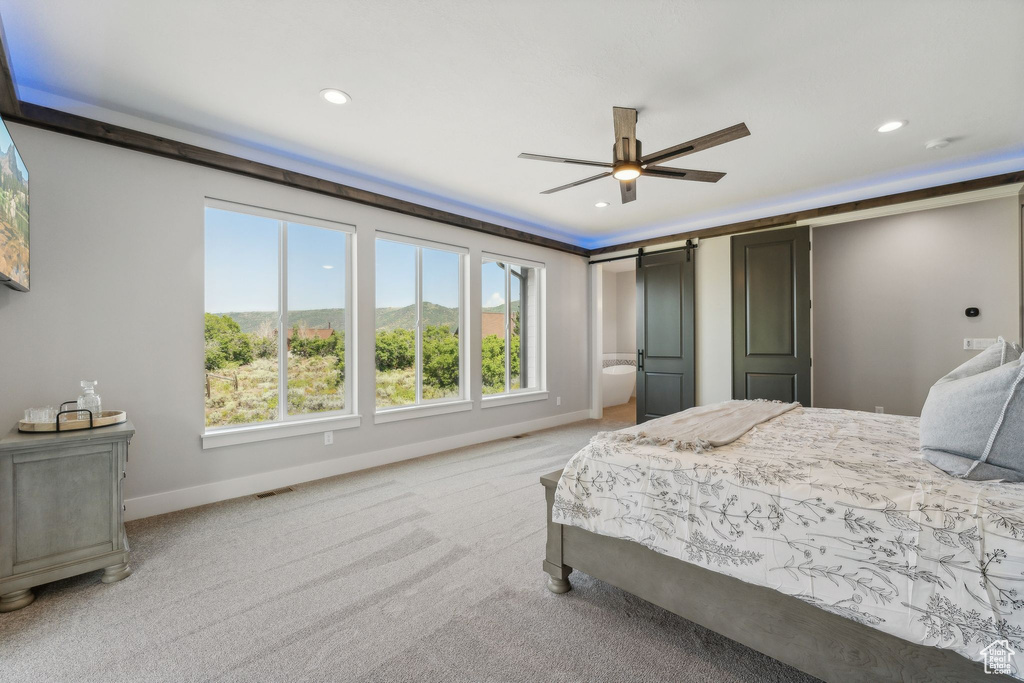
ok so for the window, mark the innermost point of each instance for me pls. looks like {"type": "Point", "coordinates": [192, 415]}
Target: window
{"type": "Point", "coordinates": [419, 348]}
{"type": "Point", "coordinates": [270, 277]}
{"type": "Point", "coordinates": [511, 335]}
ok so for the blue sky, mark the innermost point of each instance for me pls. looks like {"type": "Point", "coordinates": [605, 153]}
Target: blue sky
{"type": "Point", "coordinates": [396, 275]}
{"type": "Point", "coordinates": [241, 268]}
{"type": "Point", "coordinates": [5, 143]}
{"type": "Point", "coordinates": [241, 264]}
{"type": "Point", "coordinates": [492, 285]}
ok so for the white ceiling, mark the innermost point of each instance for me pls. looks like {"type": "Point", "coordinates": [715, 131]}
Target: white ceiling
{"type": "Point", "coordinates": [447, 93]}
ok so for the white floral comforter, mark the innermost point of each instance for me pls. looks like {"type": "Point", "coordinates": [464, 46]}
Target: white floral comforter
{"type": "Point", "coordinates": [833, 507]}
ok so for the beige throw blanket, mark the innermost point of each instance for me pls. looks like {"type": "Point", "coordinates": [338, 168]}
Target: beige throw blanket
{"type": "Point", "coordinates": [701, 428]}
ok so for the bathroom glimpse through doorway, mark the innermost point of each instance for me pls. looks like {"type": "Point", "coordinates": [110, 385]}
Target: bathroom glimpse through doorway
{"type": "Point", "coordinates": [618, 357]}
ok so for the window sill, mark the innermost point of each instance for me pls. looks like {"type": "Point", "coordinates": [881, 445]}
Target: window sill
{"type": "Point", "coordinates": [509, 399]}
{"type": "Point", "coordinates": [410, 412]}
{"type": "Point", "coordinates": [232, 436]}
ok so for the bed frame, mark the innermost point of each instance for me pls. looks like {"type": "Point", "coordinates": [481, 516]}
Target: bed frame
{"type": "Point", "coordinates": [817, 642]}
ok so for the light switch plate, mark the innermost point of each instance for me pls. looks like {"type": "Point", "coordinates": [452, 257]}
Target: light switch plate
{"type": "Point", "coordinates": [978, 343]}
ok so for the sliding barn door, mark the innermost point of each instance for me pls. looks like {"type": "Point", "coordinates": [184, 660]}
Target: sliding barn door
{"type": "Point", "coordinates": [664, 334]}
{"type": "Point", "coordinates": [771, 309]}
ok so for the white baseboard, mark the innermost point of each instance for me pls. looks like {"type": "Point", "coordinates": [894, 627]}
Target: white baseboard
{"type": "Point", "coordinates": [169, 501]}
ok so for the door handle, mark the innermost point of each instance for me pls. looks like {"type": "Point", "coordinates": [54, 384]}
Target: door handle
{"type": "Point", "coordinates": [639, 359]}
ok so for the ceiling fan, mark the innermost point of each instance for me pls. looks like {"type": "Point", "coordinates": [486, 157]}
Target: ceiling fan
{"type": "Point", "coordinates": [628, 162]}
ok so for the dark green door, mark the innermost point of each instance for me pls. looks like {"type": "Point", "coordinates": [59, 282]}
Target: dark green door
{"type": "Point", "coordinates": [664, 334]}
{"type": "Point", "coordinates": [771, 315]}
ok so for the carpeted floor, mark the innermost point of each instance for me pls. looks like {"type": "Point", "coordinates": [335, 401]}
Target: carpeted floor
{"type": "Point", "coordinates": [428, 570]}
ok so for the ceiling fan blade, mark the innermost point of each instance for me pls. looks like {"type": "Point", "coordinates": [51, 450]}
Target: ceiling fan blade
{"type": "Point", "coordinates": [628, 190]}
{"type": "Point", "coordinates": [624, 120]}
{"type": "Point", "coordinates": [684, 174]}
{"type": "Point", "coordinates": [698, 144]}
{"type": "Point", "coordinates": [563, 160]}
{"type": "Point", "coordinates": [578, 182]}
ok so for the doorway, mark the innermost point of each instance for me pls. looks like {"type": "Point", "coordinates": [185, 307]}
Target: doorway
{"type": "Point", "coordinates": [645, 324]}
{"type": "Point", "coordinates": [618, 340]}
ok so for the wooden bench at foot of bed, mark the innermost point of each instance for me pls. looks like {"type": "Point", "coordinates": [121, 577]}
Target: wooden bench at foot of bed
{"type": "Point", "coordinates": [820, 643]}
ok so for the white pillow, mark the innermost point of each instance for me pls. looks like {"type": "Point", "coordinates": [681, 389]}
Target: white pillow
{"type": "Point", "coordinates": [973, 426]}
{"type": "Point", "coordinates": [1000, 353]}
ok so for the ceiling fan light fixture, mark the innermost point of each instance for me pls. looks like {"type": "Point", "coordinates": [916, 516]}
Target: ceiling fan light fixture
{"type": "Point", "coordinates": [626, 172]}
{"type": "Point", "coordinates": [335, 96]}
{"type": "Point", "coordinates": [629, 162]}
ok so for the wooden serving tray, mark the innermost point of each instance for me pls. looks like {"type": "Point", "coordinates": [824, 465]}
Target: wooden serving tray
{"type": "Point", "coordinates": [107, 417]}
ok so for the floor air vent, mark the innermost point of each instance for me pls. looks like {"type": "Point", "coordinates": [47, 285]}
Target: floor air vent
{"type": "Point", "coordinates": [275, 492]}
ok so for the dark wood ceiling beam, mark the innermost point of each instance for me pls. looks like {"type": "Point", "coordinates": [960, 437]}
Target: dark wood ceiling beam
{"type": "Point", "coordinates": [8, 95]}
{"type": "Point", "coordinates": [823, 212]}
{"type": "Point", "coordinates": [119, 136]}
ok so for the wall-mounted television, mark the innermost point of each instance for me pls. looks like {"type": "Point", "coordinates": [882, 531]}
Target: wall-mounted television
{"type": "Point", "coordinates": [14, 240]}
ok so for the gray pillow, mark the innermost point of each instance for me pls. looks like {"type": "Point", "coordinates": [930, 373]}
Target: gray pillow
{"type": "Point", "coordinates": [973, 426]}
{"type": "Point", "coordinates": [1000, 353]}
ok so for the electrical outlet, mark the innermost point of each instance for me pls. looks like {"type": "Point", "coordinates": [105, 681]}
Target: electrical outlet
{"type": "Point", "coordinates": [328, 438]}
{"type": "Point", "coordinates": [879, 409]}
{"type": "Point", "coordinates": [968, 344]}
{"type": "Point", "coordinates": [558, 400]}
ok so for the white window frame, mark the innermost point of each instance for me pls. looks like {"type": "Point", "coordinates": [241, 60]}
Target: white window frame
{"type": "Point", "coordinates": [434, 406]}
{"type": "Point", "coordinates": [521, 395]}
{"type": "Point", "coordinates": [304, 423]}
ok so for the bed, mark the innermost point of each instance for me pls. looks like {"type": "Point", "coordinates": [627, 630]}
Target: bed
{"type": "Point", "coordinates": [819, 537]}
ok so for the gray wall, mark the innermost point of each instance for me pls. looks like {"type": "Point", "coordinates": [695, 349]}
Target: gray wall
{"type": "Point", "coordinates": [625, 310]}
{"type": "Point", "coordinates": [128, 228]}
{"type": "Point", "coordinates": [713, 313]}
{"type": "Point", "coordinates": [618, 322]}
{"type": "Point", "coordinates": [609, 312]}
{"type": "Point", "coordinates": [889, 297]}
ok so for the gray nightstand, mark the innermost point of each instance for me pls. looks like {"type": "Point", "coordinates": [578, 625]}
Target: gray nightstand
{"type": "Point", "coordinates": [61, 508]}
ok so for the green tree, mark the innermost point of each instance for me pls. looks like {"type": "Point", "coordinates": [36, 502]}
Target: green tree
{"type": "Point", "coordinates": [440, 357]}
{"type": "Point", "coordinates": [214, 357]}
{"type": "Point", "coordinates": [395, 349]}
{"type": "Point", "coordinates": [514, 354]}
{"type": "Point", "coordinates": [493, 362]}
{"type": "Point", "coordinates": [218, 326]}
{"type": "Point", "coordinates": [263, 346]}
{"type": "Point", "coordinates": [336, 346]}
{"type": "Point", "coordinates": [234, 345]}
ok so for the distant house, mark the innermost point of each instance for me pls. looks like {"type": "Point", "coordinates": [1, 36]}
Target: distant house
{"type": "Point", "coordinates": [310, 333]}
{"type": "Point", "coordinates": [494, 323]}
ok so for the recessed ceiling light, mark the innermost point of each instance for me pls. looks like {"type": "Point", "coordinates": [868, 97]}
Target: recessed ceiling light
{"type": "Point", "coordinates": [890, 126]}
{"type": "Point", "coordinates": [601, 205]}
{"type": "Point", "coordinates": [334, 96]}
{"type": "Point", "coordinates": [328, 267]}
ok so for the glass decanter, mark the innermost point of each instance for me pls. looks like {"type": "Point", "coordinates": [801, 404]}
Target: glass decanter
{"type": "Point", "coordinates": [89, 400]}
